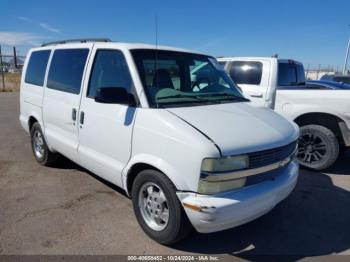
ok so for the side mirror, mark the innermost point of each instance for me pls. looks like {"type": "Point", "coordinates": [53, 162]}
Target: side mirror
{"type": "Point", "coordinates": [114, 95]}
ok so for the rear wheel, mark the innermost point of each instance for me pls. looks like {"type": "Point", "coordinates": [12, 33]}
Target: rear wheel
{"type": "Point", "coordinates": [318, 147]}
{"type": "Point", "coordinates": [158, 209]}
{"type": "Point", "coordinates": [40, 149]}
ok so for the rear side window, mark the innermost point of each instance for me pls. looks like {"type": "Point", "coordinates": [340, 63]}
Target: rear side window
{"type": "Point", "coordinates": [36, 68]}
{"type": "Point", "coordinates": [109, 70]}
{"type": "Point", "coordinates": [66, 70]}
{"type": "Point", "coordinates": [290, 74]}
{"type": "Point", "coordinates": [246, 72]}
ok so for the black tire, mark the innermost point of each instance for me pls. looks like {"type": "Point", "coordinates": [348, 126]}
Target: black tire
{"type": "Point", "coordinates": [318, 147]}
{"type": "Point", "coordinates": [47, 157]}
{"type": "Point", "coordinates": [178, 226]}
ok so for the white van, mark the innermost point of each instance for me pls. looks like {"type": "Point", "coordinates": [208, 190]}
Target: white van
{"type": "Point", "coordinates": [183, 142]}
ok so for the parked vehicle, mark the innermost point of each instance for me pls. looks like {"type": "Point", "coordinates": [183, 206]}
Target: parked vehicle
{"type": "Point", "coordinates": [322, 115]}
{"type": "Point", "coordinates": [336, 78]}
{"type": "Point", "coordinates": [327, 85]}
{"type": "Point", "coordinates": [188, 148]}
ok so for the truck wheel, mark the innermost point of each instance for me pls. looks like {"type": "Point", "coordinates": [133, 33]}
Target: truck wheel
{"type": "Point", "coordinates": [40, 149]}
{"type": "Point", "coordinates": [318, 147]}
{"type": "Point", "coordinates": [158, 209]}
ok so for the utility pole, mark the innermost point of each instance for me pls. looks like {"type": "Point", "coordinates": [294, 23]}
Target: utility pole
{"type": "Point", "coordinates": [2, 70]}
{"type": "Point", "coordinates": [346, 57]}
{"type": "Point", "coordinates": [15, 57]}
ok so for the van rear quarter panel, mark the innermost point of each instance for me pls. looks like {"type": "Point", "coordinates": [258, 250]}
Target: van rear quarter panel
{"type": "Point", "coordinates": [31, 99]}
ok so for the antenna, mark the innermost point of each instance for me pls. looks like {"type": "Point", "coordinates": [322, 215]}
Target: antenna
{"type": "Point", "coordinates": [156, 34]}
{"type": "Point", "coordinates": [156, 28]}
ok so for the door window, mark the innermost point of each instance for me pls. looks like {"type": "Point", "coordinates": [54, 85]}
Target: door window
{"type": "Point", "coordinates": [66, 70]}
{"type": "Point", "coordinates": [109, 70]}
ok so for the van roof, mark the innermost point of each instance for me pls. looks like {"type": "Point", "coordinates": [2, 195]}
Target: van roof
{"type": "Point", "coordinates": [117, 45]}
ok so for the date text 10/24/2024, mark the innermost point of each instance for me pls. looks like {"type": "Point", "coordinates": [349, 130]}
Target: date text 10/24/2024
{"type": "Point", "coordinates": [173, 258]}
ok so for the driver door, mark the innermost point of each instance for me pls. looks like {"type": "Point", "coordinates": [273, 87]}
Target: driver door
{"type": "Point", "coordinates": [105, 130]}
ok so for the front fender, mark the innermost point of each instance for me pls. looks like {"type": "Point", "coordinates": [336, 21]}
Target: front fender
{"type": "Point", "coordinates": [164, 141]}
{"type": "Point", "coordinates": [158, 163]}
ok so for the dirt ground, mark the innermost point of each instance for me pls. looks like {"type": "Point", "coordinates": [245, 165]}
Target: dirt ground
{"type": "Point", "coordinates": [67, 210]}
{"type": "Point", "coordinates": [12, 82]}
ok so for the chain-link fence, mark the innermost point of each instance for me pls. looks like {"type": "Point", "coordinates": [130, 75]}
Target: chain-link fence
{"type": "Point", "coordinates": [10, 71]}
{"type": "Point", "coordinates": [317, 73]}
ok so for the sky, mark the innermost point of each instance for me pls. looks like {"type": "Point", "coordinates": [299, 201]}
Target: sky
{"type": "Point", "coordinates": [313, 31]}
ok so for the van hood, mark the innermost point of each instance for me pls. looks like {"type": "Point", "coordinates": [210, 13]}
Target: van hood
{"type": "Point", "coordinates": [238, 128]}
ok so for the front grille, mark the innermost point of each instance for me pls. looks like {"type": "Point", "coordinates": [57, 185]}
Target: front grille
{"type": "Point", "coordinates": [258, 178]}
{"type": "Point", "coordinates": [271, 156]}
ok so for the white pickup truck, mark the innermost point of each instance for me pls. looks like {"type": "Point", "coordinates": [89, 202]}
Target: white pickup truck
{"type": "Point", "coordinates": [322, 114]}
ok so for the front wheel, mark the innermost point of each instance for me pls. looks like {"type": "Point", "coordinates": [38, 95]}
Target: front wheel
{"type": "Point", "coordinates": [318, 147]}
{"type": "Point", "coordinates": [157, 208]}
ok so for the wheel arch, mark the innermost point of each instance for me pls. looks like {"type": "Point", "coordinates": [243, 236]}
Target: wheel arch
{"type": "Point", "coordinates": [327, 120]}
{"type": "Point", "coordinates": [143, 162]}
{"type": "Point", "coordinates": [134, 171]}
{"type": "Point", "coordinates": [34, 117]}
{"type": "Point", "coordinates": [31, 122]}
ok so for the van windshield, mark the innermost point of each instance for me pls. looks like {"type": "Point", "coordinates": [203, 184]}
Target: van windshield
{"type": "Point", "coordinates": [177, 79]}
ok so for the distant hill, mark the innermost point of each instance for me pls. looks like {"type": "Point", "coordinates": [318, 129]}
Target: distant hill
{"type": "Point", "coordinates": [19, 61]}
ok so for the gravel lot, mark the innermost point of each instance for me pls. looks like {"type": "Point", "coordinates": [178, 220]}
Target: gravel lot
{"type": "Point", "coordinates": [67, 210]}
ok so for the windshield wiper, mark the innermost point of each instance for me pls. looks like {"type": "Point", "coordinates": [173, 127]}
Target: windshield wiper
{"type": "Point", "coordinates": [226, 96]}
{"type": "Point", "coordinates": [180, 96]}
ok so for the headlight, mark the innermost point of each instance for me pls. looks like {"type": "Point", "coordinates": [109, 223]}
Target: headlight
{"type": "Point", "coordinates": [211, 187]}
{"type": "Point", "coordinates": [218, 165]}
{"type": "Point", "coordinates": [224, 164]}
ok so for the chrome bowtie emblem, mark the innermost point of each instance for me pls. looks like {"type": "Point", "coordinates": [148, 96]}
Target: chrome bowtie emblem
{"type": "Point", "coordinates": [284, 162]}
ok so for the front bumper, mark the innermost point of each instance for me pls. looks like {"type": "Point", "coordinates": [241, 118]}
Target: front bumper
{"type": "Point", "coordinates": [230, 209]}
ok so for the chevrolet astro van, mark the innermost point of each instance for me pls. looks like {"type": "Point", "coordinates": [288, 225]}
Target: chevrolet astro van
{"type": "Point", "coordinates": [167, 125]}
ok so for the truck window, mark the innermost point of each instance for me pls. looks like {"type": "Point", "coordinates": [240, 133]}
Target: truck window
{"type": "Point", "coordinates": [36, 68]}
{"type": "Point", "coordinates": [66, 70]}
{"type": "Point", "coordinates": [343, 79]}
{"type": "Point", "coordinates": [109, 70]}
{"type": "Point", "coordinates": [290, 74]}
{"type": "Point", "coordinates": [246, 72]}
